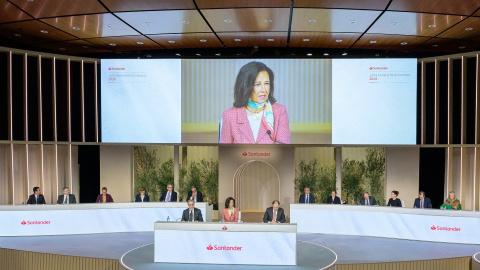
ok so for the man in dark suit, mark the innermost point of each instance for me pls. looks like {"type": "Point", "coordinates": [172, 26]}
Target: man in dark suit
{"type": "Point", "coordinates": [192, 214]}
{"type": "Point", "coordinates": [306, 197]}
{"type": "Point", "coordinates": [195, 195]}
{"type": "Point", "coordinates": [367, 199]}
{"type": "Point", "coordinates": [274, 214]}
{"type": "Point", "coordinates": [36, 197]}
{"type": "Point", "coordinates": [66, 197]}
{"type": "Point", "coordinates": [422, 201]}
{"type": "Point", "coordinates": [334, 199]}
{"type": "Point", "coordinates": [169, 195]}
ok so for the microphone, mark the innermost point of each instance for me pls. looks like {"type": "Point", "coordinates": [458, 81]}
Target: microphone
{"type": "Point", "coordinates": [270, 135]}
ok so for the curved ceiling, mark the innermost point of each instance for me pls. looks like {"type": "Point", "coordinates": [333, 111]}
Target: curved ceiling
{"type": "Point", "coordinates": [79, 27]}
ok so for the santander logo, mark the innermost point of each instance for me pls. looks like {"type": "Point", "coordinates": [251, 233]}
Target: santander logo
{"type": "Point", "coordinates": [378, 68]}
{"type": "Point", "coordinates": [35, 222]}
{"type": "Point", "coordinates": [256, 154]}
{"type": "Point", "coordinates": [209, 247]}
{"type": "Point", "coordinates": [224, 228]}
{"type": "Point", "coordinates": [448, 229]}
{"type": "Point", "coordinates": [433, 228]}
{"type": "Point", "coordinates": [245, 154]}
{"type": "Point", "coordinates": [23, 222]}
{"type": "Point", "coordinates": [225, 248]}
{"type": "Point", "coordinates": [116, 68]}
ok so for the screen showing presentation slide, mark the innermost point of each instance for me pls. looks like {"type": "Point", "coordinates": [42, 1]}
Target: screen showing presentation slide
{"type": "Point", "coordinates": [374, 101]}
{"type": "Point", "coordinates": [141, 101]}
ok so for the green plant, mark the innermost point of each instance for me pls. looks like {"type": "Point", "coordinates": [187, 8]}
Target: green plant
{"type": "Point", "coordinates": [327, 182]}
{"type": "Point", "coordinates": [375, 173]}
{"type": "Point", "coordinates": [203, 175]}
{"type": "Point", "coordinates": [353, 180]}
{"type": "Point", "coordinates": [321, 180]}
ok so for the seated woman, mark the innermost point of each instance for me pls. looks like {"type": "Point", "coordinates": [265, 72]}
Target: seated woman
{"type": "Point", "coordinates": [230, 212]}
{"type": "Point", "coordinates": [333, 199]}
{"type": "Point", "coordinates": [142, 196]}
{"type": "Point", "coordinates": [451, 202]}
{"type": "Point", "coordinates": [104, 197]}
{"type": "Point", "coordinates": [394, 201]}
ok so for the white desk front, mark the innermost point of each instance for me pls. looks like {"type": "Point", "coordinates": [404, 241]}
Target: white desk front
{"type": "Point", "coordinates": [225, 243]}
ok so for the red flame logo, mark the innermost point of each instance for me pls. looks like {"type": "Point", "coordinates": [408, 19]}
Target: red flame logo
{"type": "Point", "coordinates": [244, 153]}
{"type": "Point", "coordinates": [224, 228]}
{"type": "Point", "coordinates": [370, 68]}
{"type": "Point", "coordinates": [109, 68]}
{"type": "Point", "coordinates": [209, 247]}
{"type": "Point", "coordinates": [433, 228]}
{"type": "Point", "coordinates": [23, 222]}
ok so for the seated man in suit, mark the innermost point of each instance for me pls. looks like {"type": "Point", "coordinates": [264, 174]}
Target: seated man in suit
{"type": "Point", "coordinates": [334, 199]}
{"type": "Point", "coordinates": [306, 197]}
{"type": "Point", "coordinates": [192, 214]}
{"type": "Point", "coordinates": [66, 197]}
{"type": "Point", "coordinates": [422, 201]}
{"type": "Point", "coordinates": [367, 199]}
{"type": "Point", "coordinates": [169, 195]}
{"type": "Point", "coordinates": [274, 214]}
{"type": "Point", "coordinates": [36, 197]}
{"type": "Point", "coordinates": [195, 195]}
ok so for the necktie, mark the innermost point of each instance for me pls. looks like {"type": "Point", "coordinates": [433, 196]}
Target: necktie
{"type": "Point", "coordinates": [306, 200]}
{"type": "Point", "coordinates": [274, 219]}
{"type": "Point", "coordinates": [65, 200]}
{"type": "Point", "coordinates": [421, 203]}
{"type": "Point", "coordinates": [168, 196]}
{"type": "Point", "coordinates": [367, 202]}
{"type": "Point", "coordinates": [36, 199]}
{"type": "Point", "coordinates": [191, 216]}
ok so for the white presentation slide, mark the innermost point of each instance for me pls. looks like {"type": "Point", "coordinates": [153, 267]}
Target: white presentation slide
{"type": "Point", "coordinates": [374, 101]}
{"type": "Point", "coordinates": [141, 100]}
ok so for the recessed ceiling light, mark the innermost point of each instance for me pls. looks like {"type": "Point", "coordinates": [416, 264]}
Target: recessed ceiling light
{"type": "Point", "coordinates": [85, 46]}
{"type": "Point", "coordinates": [198, 54]}
{"type": "Point", "coordinates": [461, 47]}
{"type": "Point", "coordinates": [227, 20]}
{"type": "Point", "coordinates": [147, 23]}
{"type": "Point", "coordinates": [75, 28]}
{"type": "Point", "coordinates": [435, 45]}
{"type": "Point", "coordinates": [373, 41]}
{"type": "Point", "coordinates": [394, 23]}
{"type": "Point", "coordinates": [306, 39]}
{"type": "Point", "coordinates": [339, 40]}
{"type": "Point", "coordinates": [171, 41]}
{"type": "Point", "coordinates": [344, 53]}
{"type": "Point", "coordinates": [268, 20]}
{"type": "Point", "coordinates": [292, 54]}
{"type": "Point", "coordinates": [403, 43]}
{"type": "Point", "coordinates": [203, 40]}
{"type": "Point", "coordinates": [469, 29]}
{"type": "Point", "coordinates": [29, 0]}
{"type": "Point", "coordinates": [44, 31]}
{"type": "Point", "coordinates": [113, 44]}
{"type": "Point", "coordinates": [177, 54]}
{"type": "Point", "coordinates": [62, 49]}
{"type": "Point", "coordinates": [17, 35]}
{"type": "Point", "coordinates": [139, 43]}
{"type": "Point", "coordinates": [270, 39]}
{"type": "Point", "coordinates": [352, 21]}
{"type": "Point", "coordinates": [312, 20]}
{"type": "Point", "coordinates": [109, 25]}
{"type": "Point", "coordinates": [237, 39]}
{"type": "Point", "coordinates": [217, 54]}
{"type": "Point", "coordinates": [309, 54]}
{"type": "Point", "coordinates": [326, 54]}
{"type": "Point", "coordinates": [186, 22]}
{"type": "Point", "coordinates": [432, 25]}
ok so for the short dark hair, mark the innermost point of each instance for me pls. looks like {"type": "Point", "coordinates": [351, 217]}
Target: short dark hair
{"type": "Point", "coordinates": [104, 188]}
{"type": "Point", "coordinates": [395, 192]}
{"type": "Point", "coordinates": [333, 190]}
{"type": "Point", "coordinates": [35, 189]}
{"type": "Point", "coordinates": [246, 80]}
{"type": "Point", "coordinates": [276, 201]}
{"type": "Point", "coordinates": [227, 202]}
{"type": "Point", "coordinates": [421, 192]}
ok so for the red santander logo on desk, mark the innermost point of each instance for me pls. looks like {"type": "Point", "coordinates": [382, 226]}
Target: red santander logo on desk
{"type": "Point", "coordinates": [224, 228]}
{"type": "Point", "coordinates": [35, 222]}
{"type": "Point", "coordinates": [209, 247]}
{"type": "Point", "coordinates": [448, 229]}
{"type": "Point", "coordinates": [225, 248]}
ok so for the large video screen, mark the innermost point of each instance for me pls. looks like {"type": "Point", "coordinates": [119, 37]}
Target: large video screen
{"type": "Point", "coordinates": [259, 101]}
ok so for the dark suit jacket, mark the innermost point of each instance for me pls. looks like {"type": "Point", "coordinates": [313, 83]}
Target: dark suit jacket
{"type": "Point", "coordinates": [269, 215]}
{"type": "Point", "coordinates": [173, 198]}
{"type": "Point", "coordinates": [427, 203]}
{"type": "Point", "coordinates": [139, 198]}
{"type": "Point", "coordinates": [31, 199]}
{"type": "Point", "coordinates": [370, 198]}
{"type": "Point", "coordinates": [199, 196]}
{"type": "Point", "coordinates": [197, 215]}
{"type": "Point", "coordinates": [334, 201]}
{"type": "Point", "coordinates": [100, 198]}
{"type": "Point", "coordinates": [71, 199]}
{"type": "Point", "coordinates": [311, 198]}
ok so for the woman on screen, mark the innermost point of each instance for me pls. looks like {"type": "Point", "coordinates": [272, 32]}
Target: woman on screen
{"type": "Point", "coordinates": [451, 202]}
{"type": "Point", "coordinates": [394, 201]}
{"type": "Point", "coordinates": [104, 197]}
{"type": "Point", "coordinates": [255, 117]}
{"type": "Point", "coordinates": [230, 212]}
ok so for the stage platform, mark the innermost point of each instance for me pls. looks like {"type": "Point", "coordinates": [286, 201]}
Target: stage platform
{"type": "Point", "coordinates": [349, 249]}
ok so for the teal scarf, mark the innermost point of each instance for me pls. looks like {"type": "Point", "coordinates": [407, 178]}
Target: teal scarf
{"type": "Point", "coordinates": [267, 118]}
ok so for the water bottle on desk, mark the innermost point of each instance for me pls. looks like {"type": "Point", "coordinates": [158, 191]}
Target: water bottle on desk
{"type": "Point", "coordinates": [168, 218]}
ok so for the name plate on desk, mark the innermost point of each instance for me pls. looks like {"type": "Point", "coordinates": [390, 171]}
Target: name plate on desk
{"type": "Point", "coordinates": [225, 243]}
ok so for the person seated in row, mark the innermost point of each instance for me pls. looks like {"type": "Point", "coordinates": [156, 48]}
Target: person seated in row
{"type": "Point", "coordinates": [36, 197]}
{"type": "Point", "coordinates": [66, 197]}
{"type": "Point", "coordinates": [274, 214]}
{"type": "Point", "coordinates": [230, 212]}
{"type": "Point", "coordinates": [142, 196]}
{"type": "Point", "coordinates": [422, 201]}
{"type": "Point", "coordinates": [394, 200]}
{"type": "Point", "coordinates": [192, 214]}
{"type": "Point", "coordinates": [169, 195]}
{"type": "Point", "coordinates": [104, 197]}
{"type": "Point", "coordinates": [367, 199]}
{"type": "Point", "coordinates": [195, 195]}
{"type": "Point", "coordinates": [306, 197]}
{"type": "Point", "coordinates": [451, 202]}
{"type": "Point", "coordinates": [334, 199]}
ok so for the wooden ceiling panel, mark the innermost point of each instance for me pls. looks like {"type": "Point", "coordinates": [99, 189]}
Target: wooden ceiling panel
{"type": "Point", "coordinates": [242, 4]}
{"type": "Point", "coordinates": [33, 32]}
{"type": "Point", "coordinates": [11, 13]}
{"type": "Point", "coordinates": [53, 8]}
{"type": "Point", "coordinates": [323, 40]}
{"type": "Point", "coordinates": [350, 4]}
{"type": "Point", "coordinates": [414, 24]}
{"type": "Point", "coordinates": [332, 20]}
{"type": "Point", "coordinates": [74, 47]}
{"type": "Point", "coordinates": [90, 26]}
{"type": "Point", "coordinates": [188, 40]}
{"type": "Point", "coordinates": [170, 21]}
{"type": "Point", "coordinates": [126, 43]}
{"type": "Point", "coordinates": [467, 29]}
{"type": "Point", "coordinates": [129, 5]}
{"type": "Point", "coordinates": [450, 46]}
{"type": "Point", "coordinates": [459, 7]}
{"type": "Point", "coordinates": [248, 19]}
{"type": "Point", "coordinates": [388, 42]}
{"type": "Point", "coordinates": [251, 39]}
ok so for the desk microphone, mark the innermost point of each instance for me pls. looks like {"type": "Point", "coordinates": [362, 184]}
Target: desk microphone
{"type": "Point", "coordinates": [270, 135]}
